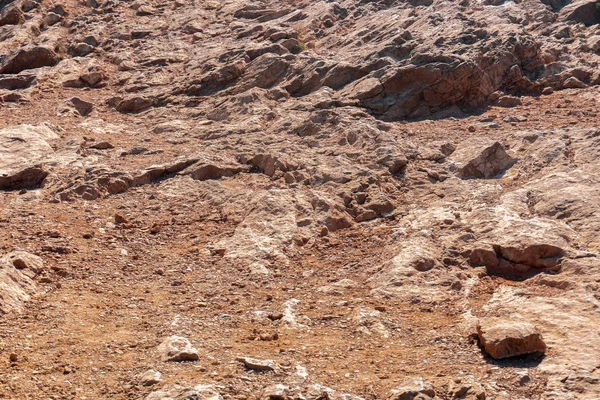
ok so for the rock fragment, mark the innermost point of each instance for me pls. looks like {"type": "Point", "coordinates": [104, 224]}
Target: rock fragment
{"type": "Point", "coordinates": [16, 285]}
{"type": "Point", "coordinates": [149, 378]}
{"type": "Point", "coordinates": [83, 107]}
{"type": "Point", "coordinates": [176, 392]}
{"type": "Point", "coordinates": [133, 104]}
{"type": "Point", "coordinates": [503, 339]}
{"type": "Point", "coordinates": [413, 389]}
{"type": "Point", "coordinates": [258, 365]}
{"type": "Point", "coordinates": [177, 348]}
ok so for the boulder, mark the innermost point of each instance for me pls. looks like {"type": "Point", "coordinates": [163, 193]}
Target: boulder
{"type": "Point", "coordinates": [503, 339]}
{"type": "Point", "coordinates": [573, 83]}
{"type": "Point", "coordinates": [481, 161]}
{"type": "Point", "coordinates": [581, 11]}
{"type": "Point", "coordinates": [177, 348]}
{"type": "Point", "coordinates": [28, 58]}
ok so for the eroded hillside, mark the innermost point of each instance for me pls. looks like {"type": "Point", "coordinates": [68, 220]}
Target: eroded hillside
{"type": "Point", "coordinates": [299, 199]}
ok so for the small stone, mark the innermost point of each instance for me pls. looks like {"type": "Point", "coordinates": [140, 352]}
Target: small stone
{"type": "Point", "coordinates": [104, 145]}
{"type": "Point", "coordinates": [13, 357]}
{"type": "Point", "coordinates": [119, 219]}
{"type": "Point", "coordinates": [269, 337]}
{"type": "Point", "coordinates": [523, 378]}
{"type": "Point", "coordinates": [275, 316]}
{"type": "Point", "coordinates": [150, 377]}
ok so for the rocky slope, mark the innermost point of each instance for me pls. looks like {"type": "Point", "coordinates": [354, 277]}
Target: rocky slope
{"type": "Point", "coordinates": [299, 199]}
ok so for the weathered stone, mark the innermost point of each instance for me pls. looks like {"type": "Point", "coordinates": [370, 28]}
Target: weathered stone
{"type": "Point", "coordinates": [12, 82]}
{"type": "Point", "coordinates": [258, 365]}
{"type": "Point", "coordinates": [482, 161]}
{"type": "Point", "coordinates": [16, 284]}
{"type": "Point", "coordinates": [573, 83]}
{"type": "Point", "coordinates": [28, 58]}
{"type": "Point", "coordinates": [83, 107]}
{"type": "Point", "coordinates": [22, 148]}
{"type": "Point", "coordinates": [509, 101]}
{"type": "Point", "coordinates": [11, 15]}
{"type": "Point", "coordinates": [413, 389]}
{"type": "Point", "coordinates": [150, 378]}
{"type": "Point", "coordinates": [176, 392]}
{"type": "Point", "coordinates": [502, 339]}
{"type": "Point", "coordinates": [134, 104]}
{"type": "Point", "coordinates": [177, 348]}
{"type": "Point", "coordinates": [582, 11]}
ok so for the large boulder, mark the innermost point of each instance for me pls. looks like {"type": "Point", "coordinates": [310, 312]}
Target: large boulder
{"type": "Point", "coordinates": [502, 339]}
{"type": "Point", "coordinates": [581, 11]}
{"type": "Point", "coordinates": [22, 149]}
{"type": "Point", "coordinates": [28, 58]}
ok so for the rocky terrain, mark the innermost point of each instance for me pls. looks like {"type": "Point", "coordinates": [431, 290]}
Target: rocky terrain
{"type": "Point", "coordinates": [299, 199]}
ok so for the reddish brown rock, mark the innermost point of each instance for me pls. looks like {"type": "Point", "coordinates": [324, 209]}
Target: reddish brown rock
{"type": "Point", "coordinates": [502, 339]}
{"type": "Point", "coordinates": [28, 58]}
{"type": "Point", "coordinates": [482, 161]}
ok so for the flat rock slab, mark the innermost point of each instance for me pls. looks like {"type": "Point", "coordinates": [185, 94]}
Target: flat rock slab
{"type": "Point", "coordinates": [258, 365]}
{"type": "Point", "coordinates": [503, 339]}
{"type": "Point", "coordinates": [177, 348]}
{"type": "Point", "coordinates": [481, 161]}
